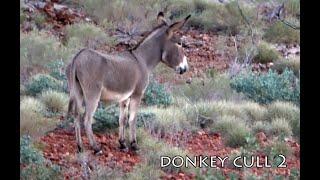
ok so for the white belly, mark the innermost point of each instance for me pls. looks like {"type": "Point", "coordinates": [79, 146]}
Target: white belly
{"type": "Point", "coordinates": [114, 96]}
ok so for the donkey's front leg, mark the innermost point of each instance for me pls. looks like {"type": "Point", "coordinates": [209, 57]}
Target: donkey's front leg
{"type": "Point", "coordinates": [133, 108]}
{"type": "Point", "coordinates": [123, 117]}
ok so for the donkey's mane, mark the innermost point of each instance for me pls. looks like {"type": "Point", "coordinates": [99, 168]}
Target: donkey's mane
{"type": "Point", "coordinates": [147, 35]}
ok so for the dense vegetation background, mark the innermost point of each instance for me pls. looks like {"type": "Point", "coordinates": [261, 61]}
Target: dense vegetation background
{"type": "Point", "coordinates": [240, 97]}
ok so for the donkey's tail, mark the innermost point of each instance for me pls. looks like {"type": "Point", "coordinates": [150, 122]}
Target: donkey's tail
{"type": "Point", "coordinates": [74, 88]}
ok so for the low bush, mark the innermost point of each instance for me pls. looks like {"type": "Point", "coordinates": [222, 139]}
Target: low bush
{"type": "Point", "coordinates": [32, 121]}
{"type": "Point", "coordinates": [42, 82]}
{"type": "Point", "coordinates": [275, 149]}
{"type": "Point", "coordinates": [156, 94]}
{"type": "Point", "coordinates": [287, 111]}
{"type": "Point", "coordinates": [268, 87]}
{"type": "Point", "coordinates": [39, 48]}
{"type": "Point", "coordinates": [254, 111]}
{"type": "Point", "coordinates": [281, 33]}
{"type": "Point", "coordinates": [216, 87]}
{"type": "Point", "coordinates": [261, 126]}
{"type": "Point", "coordinates": [56, 102]}
{"type": "Point", "coordinates": [234, 130]}
{"type": "Point", "coordinates": [291, 64]}
{"type": "Point", "coordinates": [56, 69]}
{"type": "Point", "coordinates": [34, 165]}
{"type": "Point", "coordinates": [266, 53]}
{"type": "Point", "coordinates": [28, 154]}
{"type": "Point", "coordinates": [167, 120]}
{"type": "Point", "coordinates": [81, 35]}
{"type": "Point", "coordinates": [280, 127]}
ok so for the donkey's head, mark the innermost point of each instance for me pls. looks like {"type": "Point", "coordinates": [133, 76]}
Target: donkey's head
{"type": "Point", "coordinates": [172, 51]}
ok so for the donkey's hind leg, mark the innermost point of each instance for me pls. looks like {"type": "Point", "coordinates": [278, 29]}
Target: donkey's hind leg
{"type": "Point", "coordinates": [123, 118]}
{"type": "Point", "coordinates": [74, 107]}
{"type": "Point", "coordinates": [91, 103]}
{"type": "Point", "coordinates": [133, 108]}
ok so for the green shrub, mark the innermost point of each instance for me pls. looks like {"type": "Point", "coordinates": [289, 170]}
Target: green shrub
{"type": "Point", "coordinates": [237, 136]}
{"type": "Point", "coordinates": [144, 171]}
{"type": "Point", "coordinates": [234, 130]}
{"type": "Point", "coordinates": [261, 126]}
{"type": "Point", "coordinates": [56, 102]}
{"type": "Point", "coordinates": [41, 82]}
{"type": "Point", "coordinates": [281, 33]}
{"type": "Point", "coordinates": [39, 48]}
{"type": "Point", "coordinates": [156, 94]}
{"type": "Point", "coordinates": [32, 121]}
{"type": "Point", "coordinates": [254, 111]}
{"type": "Point", "coordinates": [275, 149]}
{"type": "Point", "coordinates": [291, 64]}
{"type": "Point", "coordinates": [265, 88]}
{"type": "Point", "coordinates": [280, 126]}
{"type": "Point", "coordinates": [56, 69]}
{"type": "Point", "coordinates": [266, 53]}
{"type": "Point", "coordinates": [167, 120]}
{"type": "Point", "coordinates": [287, 111]}
{"type": "Point", "coordinates": [213, 88]}
{"type": "Point", "coordinates": [214, 174]}
{"type": "Point", "coordinates": [86, 35]}
{"type": "Point", "coordinates": [28, 154]}
{"type": "Point", "coordinates": [108, 118]}
{"type": "Point", "coordinates": [35, 165]}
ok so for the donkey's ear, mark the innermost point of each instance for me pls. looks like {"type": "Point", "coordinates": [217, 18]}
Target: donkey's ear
{"type": "Point", "coordinates": [177, 25]}
{"type": "Point", "coordinates": [161, 19]}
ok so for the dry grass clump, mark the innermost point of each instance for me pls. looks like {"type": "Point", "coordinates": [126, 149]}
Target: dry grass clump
{"type": "Point", "coordinates": [55, 102]}
{"type": "Point", "coordinates": [32, 121]}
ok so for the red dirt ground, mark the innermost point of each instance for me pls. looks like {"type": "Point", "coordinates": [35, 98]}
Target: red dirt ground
{"type": "Point", "coordinates": [60, 148]}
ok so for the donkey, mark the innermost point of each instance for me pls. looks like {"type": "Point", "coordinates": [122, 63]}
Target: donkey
{"type": "Point", "coordinates": [94, 76]}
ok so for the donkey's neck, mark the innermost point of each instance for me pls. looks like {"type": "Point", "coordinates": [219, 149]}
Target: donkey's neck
{"type": "Point", "coordinates": [148, 56]}
{"type": "Point", "coordinates": [149, 52]}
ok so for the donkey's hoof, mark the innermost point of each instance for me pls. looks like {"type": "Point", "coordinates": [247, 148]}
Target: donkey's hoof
{"type": "Point", "coordinates": [80, 149]}
{"type": "Point", "coordinates": [134, 146]}
{"type": "Point", "coordinates": [98, 151]}
{"type": "Point", "coordinates": [122, 145]}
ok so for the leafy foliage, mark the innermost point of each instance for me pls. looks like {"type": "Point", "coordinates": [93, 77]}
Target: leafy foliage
{"type": "Point", "coordinates": [156, 94]}
{"type": "Point", "coordinates": [29, 154]}
{"type": "Point", "coordinates": [56, 69]}
{"type": "Point", "coordinates": [291, 64]}
{"type": "Point", "coordinates": [266, 53]}
{"type": "Point", "coordinates": [42, 82]}
{"type": "Point", "coordinates": [265, 88]}
{"type": "Point", "coordinates": [35, 165]}
{"type": "Point", "coordinates": [55, 102]}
